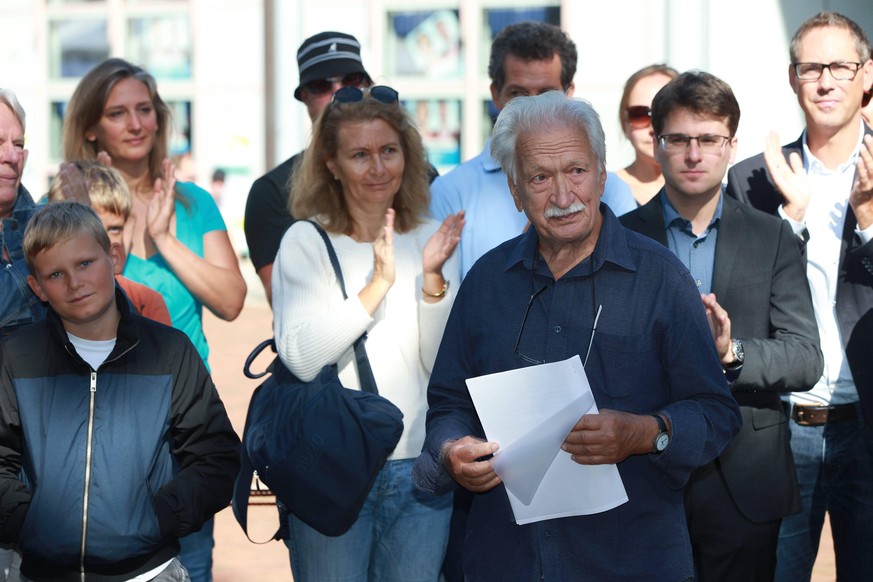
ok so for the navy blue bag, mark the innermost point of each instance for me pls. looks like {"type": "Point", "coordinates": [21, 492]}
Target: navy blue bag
{"type": "Point", "coordinates": [317, 445]}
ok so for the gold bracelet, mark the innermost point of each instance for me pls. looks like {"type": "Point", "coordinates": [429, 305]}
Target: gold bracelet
{"type": "Point", "coordinates": [440, 293]}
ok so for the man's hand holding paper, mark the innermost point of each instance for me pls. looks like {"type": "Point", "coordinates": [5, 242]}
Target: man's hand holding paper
{"type": "Point", "coordinates": [610, 437]}
{"type": "Point", "coordinates": [462, 460]}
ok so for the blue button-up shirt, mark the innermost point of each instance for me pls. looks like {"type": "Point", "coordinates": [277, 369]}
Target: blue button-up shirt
{"type": "Point", "coordinates": [696, 252]}
{"type": "Point", "coordinates": [652, 352]}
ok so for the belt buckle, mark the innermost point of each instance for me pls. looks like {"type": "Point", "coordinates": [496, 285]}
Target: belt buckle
{"type": "Point", "coordinates": [805, 415]}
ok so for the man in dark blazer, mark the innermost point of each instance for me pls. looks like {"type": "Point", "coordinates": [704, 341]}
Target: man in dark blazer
{"type": "Point", "coordinates": [750, 273]}
{"type": "Point", "coordinates": [822, 184]}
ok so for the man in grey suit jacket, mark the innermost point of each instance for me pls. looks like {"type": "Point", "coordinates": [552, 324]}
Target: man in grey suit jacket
{"type": "Point", "coordinates": [750, 273]}
{"type": "Point", "coordinates": [822, 184]}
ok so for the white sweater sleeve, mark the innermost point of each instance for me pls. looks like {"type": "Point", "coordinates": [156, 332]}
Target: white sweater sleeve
{"type": "Point", "coordinates": [312, 324]}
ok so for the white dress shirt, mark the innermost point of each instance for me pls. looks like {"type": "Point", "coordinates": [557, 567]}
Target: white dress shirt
{"type": "Point", "coordinates": [824, 219]}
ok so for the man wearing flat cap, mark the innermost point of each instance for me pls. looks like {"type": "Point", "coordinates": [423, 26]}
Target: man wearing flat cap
{"type": "Point", "coordinates": [327, 61]}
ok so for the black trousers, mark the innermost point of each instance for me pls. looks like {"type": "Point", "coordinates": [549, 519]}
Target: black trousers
{"type": "Point", "coordinates": [725, 544]}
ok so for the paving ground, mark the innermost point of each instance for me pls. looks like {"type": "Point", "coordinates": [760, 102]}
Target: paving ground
{"type": "Point", "coordinates": [236, 559]}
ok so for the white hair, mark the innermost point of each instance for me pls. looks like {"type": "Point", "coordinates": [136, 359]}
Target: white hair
{"type": "Point", "coordinates": [538, 114]}
{"type": "Point", "coordinates": [8, 98]}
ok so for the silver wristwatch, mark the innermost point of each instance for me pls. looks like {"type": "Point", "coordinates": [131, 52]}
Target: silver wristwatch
{"type": "Point", "coordinates": [662, 439]}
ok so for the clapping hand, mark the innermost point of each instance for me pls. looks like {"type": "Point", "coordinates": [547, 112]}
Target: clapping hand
{"type": "Point", "coordinates": [73, 184]}
{"type": "Point", "coordinates": [162, 207]}
{"type": "Point", "coordinates": [720, 326]}
{"type": "Point", "coordinates": [788, 177]}
{"type": "Point", "coordinates": [861, 198]}
{"type": "Point", "coordinates": [376, 289]}
{"type": "Point", "coordinates": [383, 251]}
{"type": "Point", "coordinates": [104, 158]}
{"type": "Point", "coordinates": [442, 244]}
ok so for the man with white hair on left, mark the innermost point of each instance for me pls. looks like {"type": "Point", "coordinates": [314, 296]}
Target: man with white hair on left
{"type": "Point", "coordinates": [18, 304]}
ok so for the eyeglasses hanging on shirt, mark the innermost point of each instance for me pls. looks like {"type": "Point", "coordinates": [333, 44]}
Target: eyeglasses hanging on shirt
{"type": "Point", "coordinates": [534, 294]}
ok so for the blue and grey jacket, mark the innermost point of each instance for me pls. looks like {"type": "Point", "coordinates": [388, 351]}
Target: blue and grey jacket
{"type": "Point", "coordinates": [18, 303]}
{"type": "Point", "coordinates": [102, 470]}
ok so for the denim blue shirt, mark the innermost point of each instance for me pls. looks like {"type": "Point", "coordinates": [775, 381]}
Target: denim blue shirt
{"type": "Point", "coordinates": [696, 252]}
{"type": "Point", "coordinates": [479, 187]}
{"type": "Point", "coordinates": [652, 352]}
{"type": "Point", "coordinates": [18, 304]}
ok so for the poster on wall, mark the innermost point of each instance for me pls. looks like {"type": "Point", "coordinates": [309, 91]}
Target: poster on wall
{"type": "Point", "coordinates": [426, 44]}
{"type": "Point", "coordinates": [439, 122]}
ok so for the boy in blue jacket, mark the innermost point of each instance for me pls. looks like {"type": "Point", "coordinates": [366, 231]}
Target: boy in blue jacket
{"type": "Point", "coordinates": [113, 440]}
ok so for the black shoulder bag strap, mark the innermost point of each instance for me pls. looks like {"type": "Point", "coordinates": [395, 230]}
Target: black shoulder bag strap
{"type": "Point", "coordinates": [365, 372]}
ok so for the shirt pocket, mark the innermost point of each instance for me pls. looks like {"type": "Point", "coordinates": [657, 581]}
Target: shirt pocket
{"type": "Point", "coordinates": [627, 365]}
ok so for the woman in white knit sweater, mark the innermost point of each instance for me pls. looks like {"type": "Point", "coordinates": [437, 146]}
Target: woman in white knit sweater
{"type": "Point", "coordinates": [364, 179]}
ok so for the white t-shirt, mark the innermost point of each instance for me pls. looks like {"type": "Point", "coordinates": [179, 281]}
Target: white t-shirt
{"type": "Point", "coordinates": [94, 352]}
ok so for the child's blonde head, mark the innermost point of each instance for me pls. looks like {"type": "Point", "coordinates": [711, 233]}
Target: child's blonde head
{"type": "Point", "coordinates": [93, 184]}
{"type": "Point", "coordinates": [55, 223]}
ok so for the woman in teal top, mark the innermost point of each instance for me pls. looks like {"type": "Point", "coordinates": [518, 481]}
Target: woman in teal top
{"type": "Point", "coordinates": [179, 244]}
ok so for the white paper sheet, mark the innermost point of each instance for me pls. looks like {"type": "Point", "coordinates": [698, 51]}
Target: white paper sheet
{"type": "Point", "coordinates": [529, 412]}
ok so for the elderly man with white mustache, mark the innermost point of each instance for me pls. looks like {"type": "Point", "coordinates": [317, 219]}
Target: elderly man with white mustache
{"type": "Point", "coordinates": [664, 404]}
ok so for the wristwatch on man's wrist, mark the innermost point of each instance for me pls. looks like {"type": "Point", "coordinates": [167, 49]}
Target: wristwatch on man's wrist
{"type": "Point", "coordinates": [662, 439]}
{"type": "Point", "coordinates": [738, 354]}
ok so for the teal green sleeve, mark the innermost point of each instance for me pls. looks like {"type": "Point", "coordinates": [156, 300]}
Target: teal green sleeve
{"type": "Point", "coordinates": [203, 211]}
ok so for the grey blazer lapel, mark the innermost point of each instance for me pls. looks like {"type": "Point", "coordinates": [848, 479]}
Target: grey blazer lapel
{"type": "Point", "coordinates": [728, 245]}
{"type": "Point", "coordinates": [651, 219]}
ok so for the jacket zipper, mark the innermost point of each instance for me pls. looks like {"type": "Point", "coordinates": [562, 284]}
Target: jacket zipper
{"type": "Point", "coordinates": [88, 451]}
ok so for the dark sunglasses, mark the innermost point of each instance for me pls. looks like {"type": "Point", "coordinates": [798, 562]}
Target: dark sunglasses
{"type": "Point", "coordinates": [322, 86]}
{"type": "Point", "coordinates": [380, 93]}
{"type": "Point", "coordinates": [639, 116]}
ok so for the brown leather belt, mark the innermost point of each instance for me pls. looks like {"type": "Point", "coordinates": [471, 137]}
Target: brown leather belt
{"type": "Point", "coordinates": [812, 415]}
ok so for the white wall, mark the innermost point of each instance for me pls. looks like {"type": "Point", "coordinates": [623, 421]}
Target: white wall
{"type": "Point", "coordinates": [230, 78]}
{"type": "Point", "coordinates": [19, 59]}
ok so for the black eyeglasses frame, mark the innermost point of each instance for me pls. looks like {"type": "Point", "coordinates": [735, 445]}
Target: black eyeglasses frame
{"type": "Point", "coordinates": [822, 66]}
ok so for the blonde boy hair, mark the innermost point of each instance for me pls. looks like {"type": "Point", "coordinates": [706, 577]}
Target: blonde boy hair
{"type": "Point", "coordinates": [56, 223]}
{"type": "Point", "coordinates": [92, 184]}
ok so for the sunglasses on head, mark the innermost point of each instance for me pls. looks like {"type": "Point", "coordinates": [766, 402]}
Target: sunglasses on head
{"type": "Point", "coordinates": [322, 86]}
{"type": "Point", "coordinates": [380, 93]}
{"type": "Point", "coordinates": [639, 116]}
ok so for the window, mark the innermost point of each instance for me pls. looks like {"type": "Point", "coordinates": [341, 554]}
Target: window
{"type": "Point", "coordinates": [56, 126]}
{"type": "Point", "coordinates": [180, 137]}
{"type": "Point", "coordinates": [76, 45]}
{"type": "Point", "coordinates": [161, 44]}
{"type": "Point", "coordinates": [425, 43]}
{"type": "Point", "coordinates": [439, 122]}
